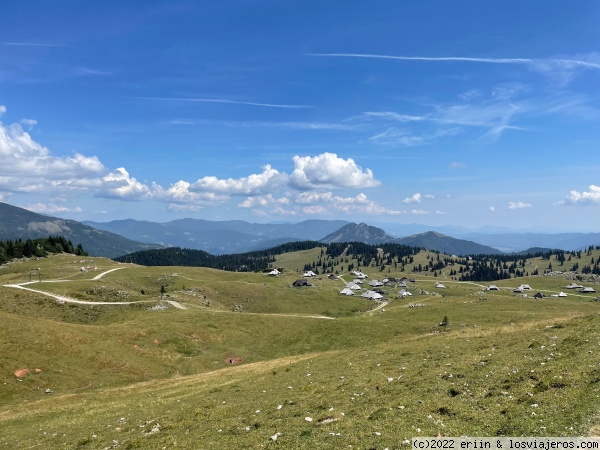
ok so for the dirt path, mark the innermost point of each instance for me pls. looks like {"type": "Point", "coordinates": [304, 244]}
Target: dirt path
{"type": "Point", "coordinates": [100, 275]}
{"type": "Point", "coordinates": [378, 307]}
{"type": "Point", "coordinates": [175, 304]}
{"type": "Point", "coordinates": [64, 299]}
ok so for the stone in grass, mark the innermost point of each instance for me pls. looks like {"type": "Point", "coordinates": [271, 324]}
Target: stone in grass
{"type": "Point", "coordinates": [275, 436]}
{"type": "Point", "coordinates": [308, 419]}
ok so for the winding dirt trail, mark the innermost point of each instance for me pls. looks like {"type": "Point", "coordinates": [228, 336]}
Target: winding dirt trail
{"type": "Point", "coordinates": [100, 275]}
{"type": "Point", "coordinates": [175, 304]}
{"type": "Point", "coordinates": [64, 299]}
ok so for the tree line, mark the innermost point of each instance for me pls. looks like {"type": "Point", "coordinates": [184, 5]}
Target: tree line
{"type": "Point", "coordinates": [255, 261]}
{"type": "Point", "coordinates": [38, 248]}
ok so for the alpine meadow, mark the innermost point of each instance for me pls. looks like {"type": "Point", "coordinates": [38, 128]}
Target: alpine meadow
{"type": "Point", "coordinates": [297, 224]}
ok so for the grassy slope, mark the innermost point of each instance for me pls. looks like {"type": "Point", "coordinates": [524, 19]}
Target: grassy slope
{"type": "Point", "coordinates": [499, 359]}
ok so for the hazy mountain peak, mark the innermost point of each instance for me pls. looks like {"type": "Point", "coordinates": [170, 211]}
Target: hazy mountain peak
{"type": "Point", "coordinates": [361, 232]}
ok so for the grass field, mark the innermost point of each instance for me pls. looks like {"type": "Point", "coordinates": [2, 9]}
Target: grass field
{"type": "Point", "coordinates": [133, 376]}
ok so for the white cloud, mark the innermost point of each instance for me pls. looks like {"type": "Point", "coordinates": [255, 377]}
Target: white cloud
{"type": "Point", "coordinates": [415, 198]}
{"type": "Point", "coordinates": [118, 184]}
{"type": "Point", "coordinates": [316, 203]}
{"type": "Point", "coordinates": [51, 208]}
{"type": "Point", "coordinates": [327, 170]}
{"type": "Point", "coordinates": [180, 193]}
{"type": "Point", "coordinates": [326, 202]}
{"type": "Point", "coordinates": [28, 166]}
{"type": "Point", "coordinates": [590, 197]}
{"type": "Point", "coordinates": [492, 209]}
{"type": "Point", "coordinates": [313, 197]}
{"type": "Point", "coordinates": [251, 185]}
{"type": "Point", "coordinates": [29, 122]}
{"type": "Point", "coordinates": [458, 165]}
{"type": "Point", "coordinates": [25, 162]}
{"type": "Point", "coordinates": [176, 207]}
{"type": "Point", "coordinates": [263, 201]}
{"type": "Point", "coordinates": [518, 205]}
{"type": "Point", "coordinates": [2, 110]}
{"type": "Point", "coordinates": [314, 210]}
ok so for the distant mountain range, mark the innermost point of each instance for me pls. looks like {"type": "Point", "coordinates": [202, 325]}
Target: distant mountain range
{"type": "Point", "coordinates": [220, 237]}
{"type": "Point", "coordinates": [515, 242]}
{"type": "Point", "coordinates": [446, 244]}
{"type": "Point", "coordinates": [120, 237]}
{"type": "Point", "coordinates": [18, 223]}
{"type": "Point", "coordinates": [429, 240]}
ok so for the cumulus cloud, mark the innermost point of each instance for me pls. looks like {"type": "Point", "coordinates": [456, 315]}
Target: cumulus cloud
{"type": "Point", "coordinates": [263, 201]}
{"type": "Point", "coordinates": [590, 197]}
{"type": "Point", "coordinates": [25, 163]}
{"type": "Point", "coordinates": [415, 198]}
{"type": "Point", "coordinates": [28, 166]}
{"type": "Point", "coordinates": [180, 193]}
{"type": "Point", "coordinates": [119, 184]}
{"type": "Point", "coordinates": [316, 203]}
{"type": "Point", "coordinates": [519, 205]}
{"type": "Point", "coordinates": [251, 185]}
{"type": "Point", "coordinates": [327, 170]}
{"type": "Point", "coordinates": [326, 202]}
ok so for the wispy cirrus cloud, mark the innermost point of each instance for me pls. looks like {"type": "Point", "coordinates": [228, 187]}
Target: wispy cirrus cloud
{"type": "Point", "coordinates": [86, 72]}
{"type": "Point", "coordinates": [542, 64]}
{"type": "Point", "coordinates": [223, 100]}
{"type": "Point", "coordinates": [395, 116]}
{"type": "Point", "coordinates": [33, 44]}
{"type": "Point", "coordinates": [559, 70]}
{"type": "Point", "coordinates": [268, 124]}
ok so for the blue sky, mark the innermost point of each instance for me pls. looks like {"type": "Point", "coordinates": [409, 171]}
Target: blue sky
{"type": "Point", "coordinates": [442, 113]}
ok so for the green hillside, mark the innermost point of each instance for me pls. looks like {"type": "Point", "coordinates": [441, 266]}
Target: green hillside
{"type": "Point", "coordinates": [149, 370]}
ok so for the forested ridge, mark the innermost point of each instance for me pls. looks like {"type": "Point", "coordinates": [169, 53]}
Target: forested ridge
{"type": "Point", "coordinates": [237, 262]}
{"type": "Point", "coordinates": [346, 257]}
